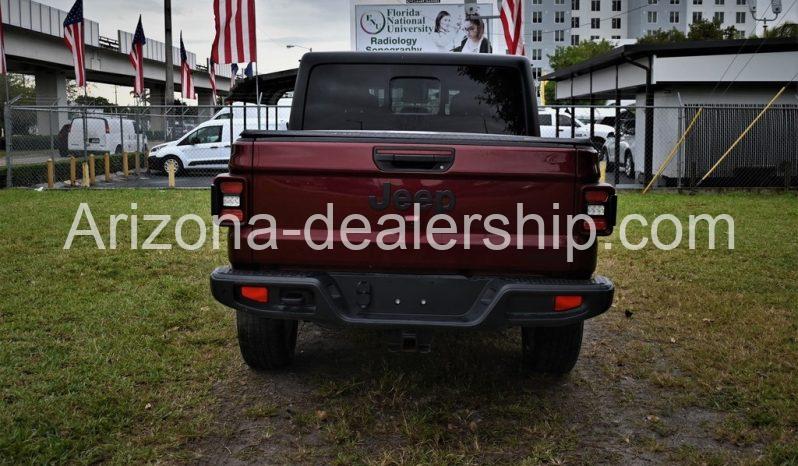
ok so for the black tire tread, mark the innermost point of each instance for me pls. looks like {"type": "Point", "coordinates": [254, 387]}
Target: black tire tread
{"type": "Point", "coordinates": [266, 344]}
{"type": "Point", "coordinates": [552, 350]}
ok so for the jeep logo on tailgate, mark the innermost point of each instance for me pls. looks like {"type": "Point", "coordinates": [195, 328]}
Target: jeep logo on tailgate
{"type": "Point", "coordinates": [402, 199]}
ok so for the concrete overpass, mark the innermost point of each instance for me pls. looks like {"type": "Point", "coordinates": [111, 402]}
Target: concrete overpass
{"type": "Point", "coordinates": [35, 46]}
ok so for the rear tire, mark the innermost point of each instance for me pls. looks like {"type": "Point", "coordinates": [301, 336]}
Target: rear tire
{"type": "Point", "coordinates": [552, 350]}
{"type": "Point", "coordinates": [629, 164]}
{"type": "Point", "coordinates": [266, 344]}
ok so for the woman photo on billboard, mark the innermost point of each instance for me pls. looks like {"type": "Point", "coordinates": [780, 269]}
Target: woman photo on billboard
{"type": "Point", "coordinates": [445, 30]}
{"type": "Point", "coordinates": [475, 40]}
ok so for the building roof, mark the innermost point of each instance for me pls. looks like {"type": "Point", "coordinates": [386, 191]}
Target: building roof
{"type": "Point", "coordinates": [272, 87]}
{"type": "Point", "coordinates": [675, 49]}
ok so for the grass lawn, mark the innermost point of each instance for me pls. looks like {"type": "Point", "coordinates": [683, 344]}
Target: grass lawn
{"type": "Point", "coordinates": [124, 356]}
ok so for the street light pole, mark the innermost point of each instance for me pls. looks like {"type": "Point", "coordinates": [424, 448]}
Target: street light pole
{"type": "Point", "coordinates": [169, 91]}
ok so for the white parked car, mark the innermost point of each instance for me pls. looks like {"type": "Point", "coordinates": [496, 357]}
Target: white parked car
{"type": "Point", "coordinates": [205, 147]}
{"type": "Point", "coordinates": [105, 134]}
{"type": "Point", "coordinates": [626, 152]}
{"type": "Point", "coordinates": [548, 127]}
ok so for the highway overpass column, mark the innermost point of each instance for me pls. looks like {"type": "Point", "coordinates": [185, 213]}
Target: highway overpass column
{"type": "Point", "coordinates": [206, 104]}
{"type": "Point", "coordinates": [51, 91]}
{"type": "Point", "coordinates": [157, 113]}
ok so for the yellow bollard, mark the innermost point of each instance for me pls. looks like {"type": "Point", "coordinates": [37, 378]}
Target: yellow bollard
{"type": "Point", "coordinates": [107, 161]}
{"type": "Point", "coordinates": [50, 174]}
{"type": "Point", "coordinates": [170, 169]}
{"type": "Point", "coordinates": [603, 170]}
{"type": "Point", "coordinates": [137, 163]}
{"type": "Point", "coordinates": [125, 164]}
{"type": "Point", "coordinates": [92, 172]}
{"type": "Point", "coordinates": [86, 177]}
{"type": "Point", "coordinates": [73, 171]}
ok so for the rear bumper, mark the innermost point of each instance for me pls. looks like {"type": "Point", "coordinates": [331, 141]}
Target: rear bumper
{"type": "Point", "coordinates": [400, 301]}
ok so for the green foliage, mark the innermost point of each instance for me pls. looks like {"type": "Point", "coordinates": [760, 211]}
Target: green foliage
{"type": "Point", "coordinates": [711, 30]}
{"type": "Point", "coordinates": [93, 101]}
{"type": "Point", "coordinates": [662, 37]}
{"type": "Point", "coordinates": [564, 57]}
{"type": "Point", "coordinates": [788, 30]}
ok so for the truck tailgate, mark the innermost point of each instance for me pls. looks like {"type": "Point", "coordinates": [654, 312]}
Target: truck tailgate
{"type": "Point", "coordinates": [293, 179]}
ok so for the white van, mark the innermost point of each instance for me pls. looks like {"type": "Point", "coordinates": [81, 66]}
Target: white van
{"type": "Point", "coordinates": [205, 147]}
{"type": "Point", "coordinates": [271, 117]}
{"type": "Point", "coordinates": [105, 134]}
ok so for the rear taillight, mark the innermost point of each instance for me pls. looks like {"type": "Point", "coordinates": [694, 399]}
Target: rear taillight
{"type": "Point", "coordinates": [567, 303]}
{"type": "Point", "coordinates": [600, 205]}
{"type": "Point", "coordinates": [258, 294]}
{"type": "Point", "coordinates": [229, 199]}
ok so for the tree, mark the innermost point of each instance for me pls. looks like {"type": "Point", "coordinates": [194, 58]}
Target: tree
{"type": "Point", "coordinates": [564, 57]}
{"type": "Point", "coordinates": [20, 86]}
{"type": "Point", "coordinates": [662, 37]}
{"type": "Point", "coordinates": [788, 30]}
{"type": "Point", "coordinates": [93, 101]}
{"type": "Point", "coordinates": [711, 30]}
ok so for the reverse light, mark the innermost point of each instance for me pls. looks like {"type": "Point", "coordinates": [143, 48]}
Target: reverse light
{"type": "Point", "coordinates": [567, 303]}
{"type": "Point", "coordinates": [231, 201]}
{"type": "Point", "coordinates": [596, 210]}
{"type": "Point", "coordinates": [258, 294]}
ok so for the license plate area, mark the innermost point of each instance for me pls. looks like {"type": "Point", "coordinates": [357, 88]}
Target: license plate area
{"type": "Point", "coordinates": [408, 295]}
{"type": "Point", "coordinates": [94, 140]}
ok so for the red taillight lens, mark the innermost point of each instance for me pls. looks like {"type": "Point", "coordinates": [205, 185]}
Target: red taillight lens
{"type": "Point", "coordinates": [231, 187]}
{"type": "Point", "coordinates": [259, 294]}
{"type": "Point", "coordinates": [597, 197]}
{"type": "Point", "coordinates": [567, 303]}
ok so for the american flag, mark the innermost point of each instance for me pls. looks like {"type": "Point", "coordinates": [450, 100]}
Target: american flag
{"type": "Point", "coordinates": [3, 66]}
{"type": "Point", "coordinates": [235, 40]}
{"type": "Point", "coordinates": [512, 18]}
{"type": "Point", "coordinates": [212, 75]}
{"type": "Point", "coordinates": [73, 35]}
{"type": "Point", "coordinates": [187, 80]}
{"type": "Point", "coordinates": [137, 59]}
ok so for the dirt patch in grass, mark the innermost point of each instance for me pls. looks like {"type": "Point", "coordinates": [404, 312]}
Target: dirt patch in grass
{"type": "Point", "coordinates": [348, 400]}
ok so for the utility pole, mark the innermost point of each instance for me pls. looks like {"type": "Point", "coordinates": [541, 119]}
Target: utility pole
{"type": "Point", "coordinates": [169, 92]}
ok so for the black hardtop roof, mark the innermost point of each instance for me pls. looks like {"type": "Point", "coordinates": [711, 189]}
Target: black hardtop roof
{"type": "Point", "coordinates": [415, 58]}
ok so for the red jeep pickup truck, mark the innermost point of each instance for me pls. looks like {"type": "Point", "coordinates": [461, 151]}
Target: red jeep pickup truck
{"type": "Point", "coordinates": [395, 143]}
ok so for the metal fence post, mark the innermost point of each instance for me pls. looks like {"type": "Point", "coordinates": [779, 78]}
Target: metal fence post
{"type": "Point", "coordinates": [9, 168]}
{"type": "Point", "coordinates": [122, 132]}
{"type": "Point", "coordinates": [52, 127]}
{"type": "Point", "coordinates": [557, 122]}
{"type": "Point", "coordinates": [85, 134]}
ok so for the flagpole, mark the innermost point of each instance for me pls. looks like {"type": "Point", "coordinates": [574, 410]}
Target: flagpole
{"type": "Point", "coordinates": [257, 91]}
{"type": "Point", "coordinates": [85, 120]}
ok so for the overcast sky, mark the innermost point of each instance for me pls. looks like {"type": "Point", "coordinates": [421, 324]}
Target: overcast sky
{"type": "Point", "coordinates": [319, 24]}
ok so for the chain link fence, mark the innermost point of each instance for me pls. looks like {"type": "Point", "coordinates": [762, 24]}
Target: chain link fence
{"type": "Point", "coordinates": [151, 146]}
{"type": "Point", "coordinates": [690, 146]}
{"type": "Point", "coordinates": [137, 146]}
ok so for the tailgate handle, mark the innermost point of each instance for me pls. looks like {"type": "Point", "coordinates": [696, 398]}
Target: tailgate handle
{"type": "Point", "coordinates": [413, 160]}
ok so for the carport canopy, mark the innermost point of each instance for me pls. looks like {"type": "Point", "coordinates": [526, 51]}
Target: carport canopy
{"type": "Point", "coordinates": [272, 87]}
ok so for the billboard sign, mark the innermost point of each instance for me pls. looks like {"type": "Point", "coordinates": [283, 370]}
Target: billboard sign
{"type": "Point", "coordinates": [421, 27]}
